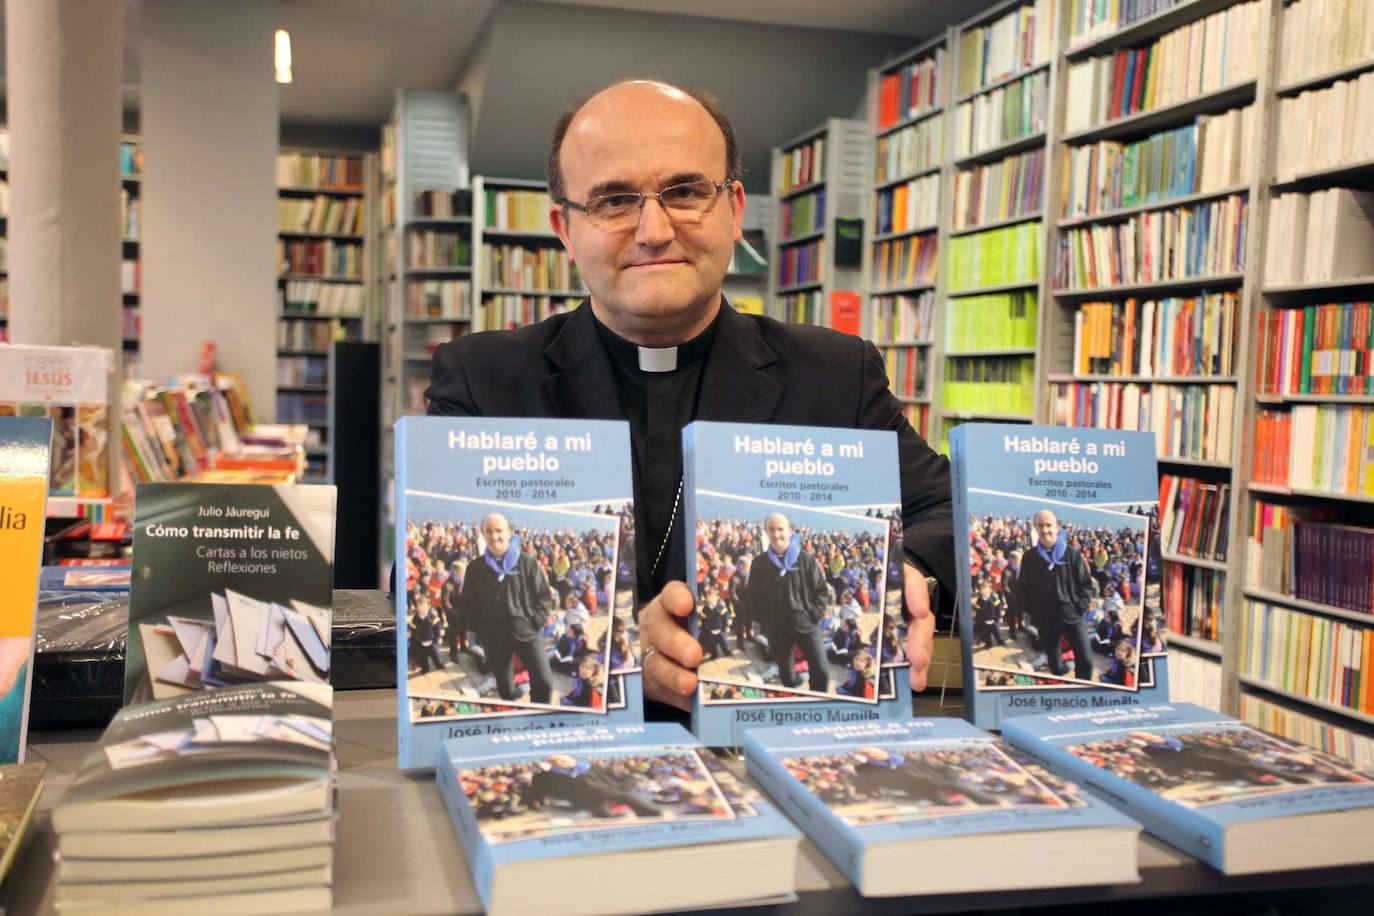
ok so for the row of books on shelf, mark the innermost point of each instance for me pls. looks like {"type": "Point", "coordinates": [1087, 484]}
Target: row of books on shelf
{"type": "Point", "coordinates": [1210, 154]}
{"type": "Point", "coordinates": [130, 158]}
{"type": "Point", "coordinates": [915, 148]}
{"type": "Point", "coordinates": [1304, 729]}
{"type": "Point", "coordinates": [439, 299]}
{"type": "Point", "coordinates": [130, 223]}
{"type": "Point", "coordinates": [518, 267]}
{"type": "Point", "coordinates": [1194, 517]}
{"type": "Point", "coordinates": [322, 214]}
{"type": "Point", "coordinates": [912, 205]}
{"type": "Point", "coordinates": [911, 89]}
{"type": "Point", "coordinates": [130, 275]}
{"type": "Point", "coordinates": [1010, 254]}
{"type": "Point", "coordinates": [1309, 447]}
{"type": "Point", "coordinates": [1316, 349]}
{"type": "Point", "coordinates": [1331, 661]}
{"type": "Point", "coordinates": [1175, 336]}
{"type": "Point", "coordinates": [131, 322]}
{"type": "Point", "coordinates": [1001, 190]}
{"type": "Point", "coordinates": [983, 385]}
{"type": "Point", "coordinates": [1201, 240]}
{"type": "Point", "coordinates": [1319, 36]}
{"type": "Point", "coordinates": [320, 258]}
{"type": "Point", "coordinates": [1318, 237]}
{"type": "Point", "coordinates": [302, 407]}
{"type": "Point", "coordinates": [442, 204]}
{"type": "Point", "coordinates": [802, 263]}
{"type": "Point", "coordinates": [1089, 20]}
{"type": "Point", "coordinates": [1203, 56]}
{"type": "Point", "coordinates": [423, 340]}
{"type": "Point", "coordinates": [1194, 599]}
{"type": "Point", "coordinates": [172, 432]}
{"type": "Point", "coordinates": [1018, 40]}
{"type": "Point", "coordinates": [508, 311]}
{"type": "Point", "coordinates": [805, 307]}
{"type": "Point", "coordinates": [515, 210]}
{"type": "Point", "coordinates": [302, 370]}
{"type": "Point", "coordinates": [1323, 128]}
{"type": "Point", "coordinates": [907, 370]}
{"type": "Point", "coordinates": [1305, 551]}
{"type": "Point", "coordinates": [803, 165]}
{"type": "Point", "coordinates": [904, 318]}
{"type": "Point", "coordinates": [1190, 422]}
{"type": "Point", "coordinates": [320, 298]}
{"type": "Point", "coordinates": [303, 334]}
{"type": "Point", "coordinates": [905, 262]}
{"type": "Point", "coordinates": [1002, 115]}
{"type": "Point", "coordinates": [918, 415]}
{"type": "Point", "coordinates": [440, 249]}
{"type": "Point", "coordinates": [1194, 679]}
{"type": "Point", "coordinates": [802, 215]}
{"type": "Point", "coordinates": [319, 170]}
{"type": "Point", "coordinates": [995, 321]}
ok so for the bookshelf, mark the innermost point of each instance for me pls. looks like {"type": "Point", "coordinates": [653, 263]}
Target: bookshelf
{"type": "Point", "coordinates": [130, 274]}
{"type": "Point", "coordinates": [818, 178]}
{"type": "Point", "coordinates": [323, 291]}
{"type": "Point", "coordinates": [906, 123]}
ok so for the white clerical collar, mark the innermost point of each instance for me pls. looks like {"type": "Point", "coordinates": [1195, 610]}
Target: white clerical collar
{"type": "Point", "coordinates": [657, 360]}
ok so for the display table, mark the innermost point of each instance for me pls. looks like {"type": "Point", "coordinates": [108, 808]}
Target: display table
{"type": "Point", "coordinates": [397, 852]}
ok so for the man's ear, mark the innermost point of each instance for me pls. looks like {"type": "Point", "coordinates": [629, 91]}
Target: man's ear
{"type": "Point", "coordinates": [558, 220]}
{"type": "Point", "coordinates": [737, 204]}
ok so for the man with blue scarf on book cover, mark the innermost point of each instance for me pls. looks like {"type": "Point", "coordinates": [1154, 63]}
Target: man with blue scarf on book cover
{"type": "Point", "coordinates": [1056, 588]}
{"type": "Point", "coordinates": [787, 598]}
{"type": "Point", "coordinates": [506, 601]}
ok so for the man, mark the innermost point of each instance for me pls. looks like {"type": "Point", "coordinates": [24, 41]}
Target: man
{"type": "Point", "coordinates": [595, 791]}
{"type": "Point", "coordinates": [787, 595]}
{"type": "Point", "coordinates": [1055, 588]}
{"type": "Point", "coordinates": [645, 183]}
{"type": "Point", "coordinates": [506, 601]}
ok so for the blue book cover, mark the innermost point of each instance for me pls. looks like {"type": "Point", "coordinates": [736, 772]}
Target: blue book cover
{"type": "Point", "coordinates": [1190, 774]}
{"type": "Point", "coordinates": [856, 786]}
{"type": "Point", "coordinates": [1056, 536]}
{"type": "Point", "coordinates": [796, 568]}
{"type": "Point", "coordinates": [515, 579]}
{"type": "Point", "coordinates": [592, 790]}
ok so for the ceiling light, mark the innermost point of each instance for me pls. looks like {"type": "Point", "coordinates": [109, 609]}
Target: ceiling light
{"type": "Point", "coordinates": [283, 56]}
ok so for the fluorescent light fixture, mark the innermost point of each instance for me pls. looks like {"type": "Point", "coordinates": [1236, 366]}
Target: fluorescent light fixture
{"type": "Point", "coordinates": [283, 56]}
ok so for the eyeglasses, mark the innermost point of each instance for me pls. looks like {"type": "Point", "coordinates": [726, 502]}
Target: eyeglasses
{"type": "Point", "coordinates": [687, 202]}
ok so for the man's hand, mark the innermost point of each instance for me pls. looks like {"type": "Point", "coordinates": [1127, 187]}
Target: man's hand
{"type": "Point", "coordinates": [920, 634]}
{"type": "Point", "coordinates": [670, 670]}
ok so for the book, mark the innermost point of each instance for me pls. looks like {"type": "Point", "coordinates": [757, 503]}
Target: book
{"type": "Point", "coordinates": [914, 148]}
{"type": "Point", "coordinates": [319, 170]}
{"type": "Point", "coordinates": [308, 830]}
{"type": "Point", "coordinates": [1319, 237]}
{"type": "Point", "coordinates": [937, 806]}
{"type": "Point", "coordinates": [24, 466]}
{"type": "Point", "coordinates": [1018, 40]}
{"type": "Point", "coordinates": [997, 321]}
{"type": "Point", "coordinates": [1190, 422]}
{"type": "Point", "coordinates": [233, 584]}
{"type": "Point", "coordinates": [996, 385]}
{"type": "Point", "coordinates": [1004, 114]}
{"type": "Point", "coordinates": [1057, 539]}
{"type": "Point", "coordinates": [1175, 336]}
{"type": "Point", "coordinates": [802, 165]}
{"type": "Point", "coordinates": [68, 385]}
{"type": "Point", "coordinates": [1238, 799]}
{"type": "Point", "coordinates": [995, 257]}
{"type": "Point", "coordinates": [21, 785]}
{"type": "Point", "coordinates": [797, 564]}
{"type": "Point", "coordinates": [1328, 661]}
{"type": "Point", "coordinates": [1319, 128]}
{"type": "Point", "coordinates": [1002, 190]}
{"type": "Point", "coordinates": [905, 262]}
{"type": "Point", "coordinates": [1091, 19]}
{"type": "Point", "coordinates": [515, 579]}
{"type": "Point", "coordinates": [911, 89]}
{"type": "Point", "coordinates": [635, 813]}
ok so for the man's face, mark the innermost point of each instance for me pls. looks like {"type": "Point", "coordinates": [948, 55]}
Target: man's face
{"type": "Point", "coordinates": [1046, 529]}
{"type": "Point", "coordinates": [779, 531]}
{"type": "Point", "coordinates": [496, 530]}
{"type": "Point", "coordinates": [657, 280]}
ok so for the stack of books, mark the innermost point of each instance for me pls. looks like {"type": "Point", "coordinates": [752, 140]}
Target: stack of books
{"type": "Point", "coordinates": [221, 799]}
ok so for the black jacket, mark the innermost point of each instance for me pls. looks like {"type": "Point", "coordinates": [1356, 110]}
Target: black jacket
{"type": "Point", "coordinates": [795, 601]}
{"type": "Point", "coordinates": [1066, 593]}
{"type": "Point", "coordinates": [502, 611]}
{"type": "Point", "coordinates": [759, 371]}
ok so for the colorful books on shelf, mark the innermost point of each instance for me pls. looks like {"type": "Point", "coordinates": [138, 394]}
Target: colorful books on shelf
{"type": "Point", "coordinates": [904, 207]}
{"type": "Point", "coordinates": [217, 801]}
{"type": "Point", "coordinates": [905, 262]}
{"type": "Point", "coordinates": [908, 369]}
{"type": "Point", "coordinates": [997, 321]}
{"type": "Point", "coordinates": [1201, 240]}
{"type": "Point", "coordinates": [1318, 237]}
{"type": "Point", "coordinates": [1006, 113]}
{"type": "Point", "coordinates": [1194, 515]}
{"type": "Point", "coordinates": [1002, 190]}
{"type": "Point", "coordinates": [915, 148]}
{"type": "Point", "coordinates": [1316, 349]}
{"type": "Point", "coordinates": [441, 204]}
{"type": "Point", "coordinates": [316, 170]}
{"type": "Point", "coordinates": [327, 259]}
{"type": "Point", "coordinates": [439, 249]}
{"type": "Point", "coordinates": [803, 165]}
{"type": "Point", "coordinates": [1018, 40]}
{"type": "Point", "coordinates": [1194, 678]}
{"type": "Point", "coordinates": [995, 257]}
{"type": "Point", "coordinates": [1308, 553]}
{"type": "Point", "coordinates": [1238, 799]}
{"type": "Point", "coordinates": [923, 806]}
{"type": "Point", "coordinates": [1194, 336]}
{"type": "Point", "coordinates": [1203, 56]}
{"type": "Point", "coordinates": [1319, 36]}
{"type": "Point", "coordinates": [810, 627]}
{"type": "Point", "coordinates": [529, 268]}
{"type": "Point", "coordinates": [450, 299]}
{"type": "Point", "coordinates": [630, 813]}
{"type": "Point", "coordinates": [989, 385]}
{"type": "Point", "coordinates": [515, 210]}
{"type": "Point", "coordinates": [1323, 128]}
{"type": "Point", "coordinates": [904, 318]}
{"type": "Point", "coordinates": [1190, 422]}
{"type": "Point", "coordinates": [804, 263]}
{"type": "Point", "coordinates": [1212, 153]}
{"type": "Point", "coordinates": [912, 89]}
{"type": "Point", "coordinates": [1308, 447]}
{"type": "Point", "coordinates": [804, 307]}
{"type": "Point", "coordinates": [1328, 661]}
{"type": "Point", "coordinates": [509, 311]}
{"type": "Point", "coordinates": [1089, 20]}
{"type": "Point", "coordinates": [1304, 729]}
{"type": "Point", "coordinates": [320, 214]}
{"type": "Point", "coordinates": [316, 297]}
{"type": "Point", "coordinates": [1193, 602]}
{"type": "Point", "coordinates": [802, 215]}
{"type": "Point", "coordinates": [313, 334]}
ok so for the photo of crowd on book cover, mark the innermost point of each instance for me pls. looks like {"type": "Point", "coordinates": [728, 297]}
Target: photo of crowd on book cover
{"type": "Point", "coordinates": [792, 599]}
{"type": "Point", "coordinates": [231, 584]}
{"type": "Point", "coordinates": [512, 607]}
{"type": "Point", "coordinates": [880, 784]}
{"type": "Point", "coordinates": [1208, 765]}
{"type": "Point", "coordinates": [713, 694]}
{"type": "Point", "coordinates": [543, 794]}
{"type": "Point", "coordinates": [1098, 623]}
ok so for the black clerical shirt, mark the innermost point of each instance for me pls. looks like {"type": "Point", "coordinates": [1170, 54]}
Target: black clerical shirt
{"type": "Point", "coordinates": [658, 404]}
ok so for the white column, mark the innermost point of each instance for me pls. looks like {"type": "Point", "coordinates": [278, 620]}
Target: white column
{"type": "Point", "coordinates": [209, 114]}
{"type": "Point", "coordinates": [64, 63]}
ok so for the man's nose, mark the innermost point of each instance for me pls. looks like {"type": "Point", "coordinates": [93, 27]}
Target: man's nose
{"type": "Point", "coordinates": [655, 227]}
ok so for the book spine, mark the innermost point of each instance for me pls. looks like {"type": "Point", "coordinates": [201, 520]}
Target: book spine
{"type": "Point", "coordinates": [475, 847]}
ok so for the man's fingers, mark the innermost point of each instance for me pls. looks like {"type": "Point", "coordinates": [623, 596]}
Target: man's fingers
{"type": "Point", "coordinates": [661, 626]}
{"type": "Point", "coordinates": [920, 643]}
{"type": "Point", "coordinates": [668, 682]}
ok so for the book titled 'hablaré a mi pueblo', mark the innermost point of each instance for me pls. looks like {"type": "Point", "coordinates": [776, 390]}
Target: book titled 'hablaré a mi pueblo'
{"type": "Point", "coordinates": [611, 819]}
{"type": "Point", "coordinates": [1237, 798]}
{"type": "Point", "coordinates": [514, 578]}
{"type": "Point", "coordinates": [1056, 536]}
{"type": "Point", "coordinates": [796, 568]}
{"type": "Point", "coordinates": [937, 806]}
